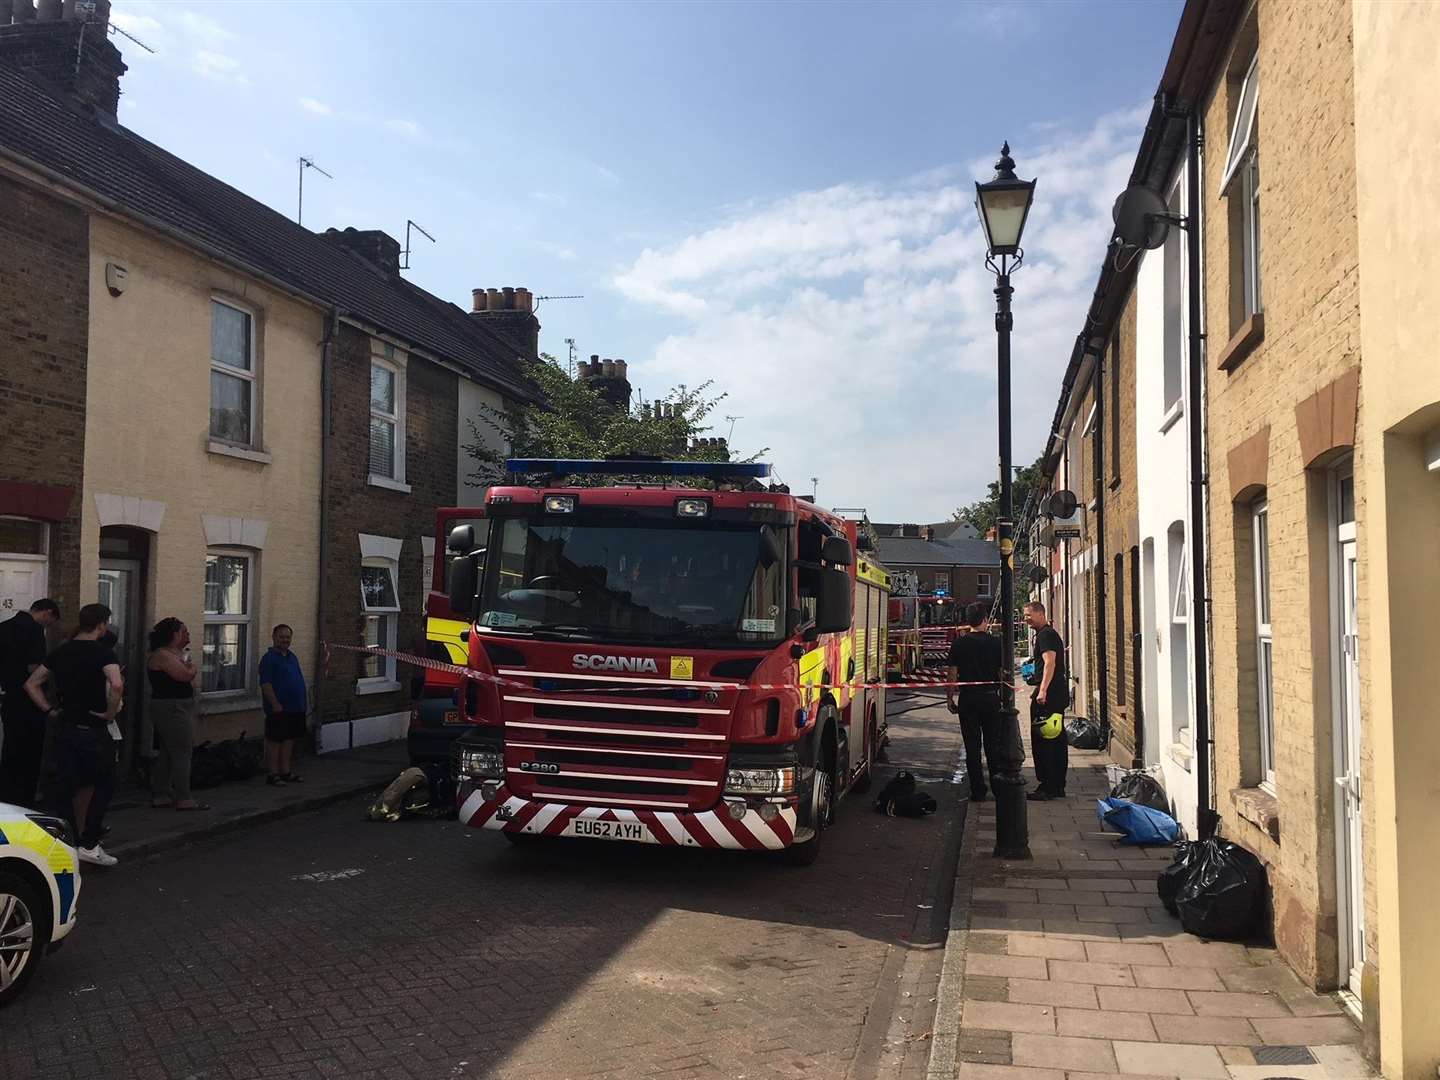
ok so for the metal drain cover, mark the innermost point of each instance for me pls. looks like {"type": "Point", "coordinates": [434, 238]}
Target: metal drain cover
{"type": "Point", "coordinates": [1283, 1055]}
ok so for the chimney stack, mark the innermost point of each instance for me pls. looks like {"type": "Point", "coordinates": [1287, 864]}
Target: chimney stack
{"type": "Point", "coordinates": [65, 44]}
{"type": "Point", "coordinates": [375, 246]}
{"type": "Point", "coordinates": [510, 313]}
{"type": "Point", "coordinates": [927, 532]}
{"type": "Point", "coordinates": [608, 378]}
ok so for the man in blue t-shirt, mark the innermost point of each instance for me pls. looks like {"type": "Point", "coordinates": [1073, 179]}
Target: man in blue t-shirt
{"type": "Point", "coordinates": [283, 684]}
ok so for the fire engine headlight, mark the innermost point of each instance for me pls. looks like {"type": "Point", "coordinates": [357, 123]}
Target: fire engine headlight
{"type": "Point", "coordinates": [559, 504]}
{"type": "Point", "coordinates": [482, 764]}
{"type": "Point", "coordinates": [692, 508]}
{"type": "Point", "coordinates": [760, 781]}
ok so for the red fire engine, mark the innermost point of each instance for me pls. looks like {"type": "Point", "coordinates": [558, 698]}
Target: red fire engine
{"type": "Point", "coordinates": [666, 664]}
{"type": "Point", "coordinates": [940, 619]}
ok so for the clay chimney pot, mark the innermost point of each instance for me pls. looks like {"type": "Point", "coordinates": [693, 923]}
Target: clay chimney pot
{"type": "Point", "coordinates": [478, 300]}
{"type": "Point", "coordinates": [492, 299]}
{"type": "Point", "coordinates": [509, 294]}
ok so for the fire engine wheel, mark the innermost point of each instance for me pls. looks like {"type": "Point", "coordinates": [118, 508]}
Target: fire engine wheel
{"type": "Point", "coordinates": [822, 807]}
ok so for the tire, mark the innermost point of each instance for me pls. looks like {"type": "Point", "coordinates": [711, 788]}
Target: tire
{"type": "Point", "coordinates": [25, 922]}
{"type": "Point", "coordinates": [822, 808]}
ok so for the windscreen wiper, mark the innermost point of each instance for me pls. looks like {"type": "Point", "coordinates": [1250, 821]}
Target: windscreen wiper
{"type": "Point", "coordinates": [562, 632]}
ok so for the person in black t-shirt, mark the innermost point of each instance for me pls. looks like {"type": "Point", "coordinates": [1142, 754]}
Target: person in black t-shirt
{"type": "Point", "coordinates": [22, 650]}
{"type": "Point", "coordinates": [975, 657]}
{"type": "Point", "coordinates": [1049, 699]}
{"type": "Point", "coordinates": [87, 677]}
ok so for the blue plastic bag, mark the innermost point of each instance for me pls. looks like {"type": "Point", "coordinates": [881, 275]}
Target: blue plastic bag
{"type": "Point", "coordinates": [1027, 672]}
{"type": "Point", "coordinates": [1135, 823]}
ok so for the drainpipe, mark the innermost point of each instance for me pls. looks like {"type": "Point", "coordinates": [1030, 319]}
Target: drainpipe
{"type": "Point", "coordinates": [332, 326]}
{"type": "Point", "coordinates": [1205, 816]}
{"type": "Point", "coordinates": [1101, 566]}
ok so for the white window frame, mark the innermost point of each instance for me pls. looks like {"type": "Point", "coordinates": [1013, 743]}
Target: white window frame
{"type": "Point", "coordinates": [247, 620]}
{"type": "Point", "coordinates": [1180, 613]}
{"type": "Point", "coordinates": [942, 580]}
{"type": "Point", "coordinates": [983, 586]}
{"type": "Point", "coordinates": [386, 356]}
{"type": "Point", "coordinates": [1242, 131]}
{"type": "Point", "coordinates": [1264, 641]}
{"type": "Point", "coordinates": [250, 377]}
{"type": "Point", "coordinates": [389, 622]}
{"type": "Point", "coordinates": [1242, 164]}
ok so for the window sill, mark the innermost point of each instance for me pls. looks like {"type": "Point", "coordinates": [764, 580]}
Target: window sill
{"type": "Point", "coordinates": [388, 484]}
{"type": "Point", "coordinates": [1172, 415]}
{"type": "Point", "coordinates": [1250, 334]}
{"type": "Point", "coordinates": [1260, 808]}
{"type": "Point", "coordinates": [237, 701]}
{"type": "Point", "coordinates": [224, 449]}
{"type": "Point", "coordinates": [375, 686]}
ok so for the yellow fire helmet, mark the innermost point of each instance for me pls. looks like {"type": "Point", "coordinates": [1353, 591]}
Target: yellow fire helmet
{"type": "Point", "coordinates": [1053, 726]}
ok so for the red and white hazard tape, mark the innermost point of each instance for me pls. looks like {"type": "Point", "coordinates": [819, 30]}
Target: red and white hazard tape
{"type": "Point", "coordinates": [483, 676]}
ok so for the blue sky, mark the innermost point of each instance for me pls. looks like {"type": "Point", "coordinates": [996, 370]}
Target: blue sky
{"type": "Point", "coordinates": [773, 196]}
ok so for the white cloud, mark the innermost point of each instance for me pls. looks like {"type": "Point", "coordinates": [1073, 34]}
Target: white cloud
{"type": "Point", "coordinates": [319, 108]}
{"type": "Point", "coordinates": [203, 28]}
{"type": "Point", "coordinates": [853, 326]}
{"type": "Point", "coordinates": [408, 128]}
{"type": "Point", "coordinates": [558, 251]}
{"type": "Point", "coordinates": [218, 66]}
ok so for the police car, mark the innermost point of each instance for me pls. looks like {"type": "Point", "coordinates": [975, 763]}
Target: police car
{"type": "Point", "coordinates": [39, 882]}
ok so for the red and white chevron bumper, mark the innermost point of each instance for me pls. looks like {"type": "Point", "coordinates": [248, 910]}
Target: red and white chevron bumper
{"type": "Point", "coordinates": [706, 829]}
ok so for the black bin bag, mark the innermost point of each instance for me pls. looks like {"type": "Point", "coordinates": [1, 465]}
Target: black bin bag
{"type": "Point", "coordinates": [1084, 734]}
{"type": "Point", "coordinates": [1224, 894]}
{"type": "Point", "coordinates": [1142, 788]}
{"type": "Point", "coordinates": [1174, 875]}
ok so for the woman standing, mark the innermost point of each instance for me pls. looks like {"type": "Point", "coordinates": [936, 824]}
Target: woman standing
{"type": "Point", "coordinates": [172, 705]}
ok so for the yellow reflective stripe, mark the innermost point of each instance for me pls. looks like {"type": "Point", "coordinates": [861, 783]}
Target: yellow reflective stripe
{"type": "Point", "coordinates": [27, 834]}
{"type": "Point", "coordinates": [447, 632]}
{"type": "Point", "coordinates": [812, 668]}
{"type": "Point", "coordinates": [873, 573]}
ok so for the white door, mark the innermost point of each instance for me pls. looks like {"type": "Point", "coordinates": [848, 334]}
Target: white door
{"type": "Point", "coordinates": [1348, 732]}
{"type": "Point", "coordinates": [22, 582]}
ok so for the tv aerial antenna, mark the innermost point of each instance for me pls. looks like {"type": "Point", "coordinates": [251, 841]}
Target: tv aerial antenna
{"type": "Point", "coordinates": [306, 163]}
{"type": "Point", "coordinates": [405, 255]}
{"type": "Point", "coordinates": [570, 343]}
{"type": "Point", "coordinates": [539, 298]}
{"type": "Point", "coordinates": [731, 432]}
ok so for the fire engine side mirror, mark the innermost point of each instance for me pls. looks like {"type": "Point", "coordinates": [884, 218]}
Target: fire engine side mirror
{"type": "Point", "coordinates": [834, 604]}
{"type": "Point", "coordinates": [461, 539]}
{"type": "Point", "coordinates": [461, 582]}
{"type": "Point", "coordinates": [836, 551]}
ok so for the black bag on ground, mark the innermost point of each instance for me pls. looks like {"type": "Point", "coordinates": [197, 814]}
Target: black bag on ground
{"type": "Point", "coordinates": [1224, 894]}
{"type": "Point", "coordinates": [243, 759]}
{"type": "Point", "coordinates": [1174, 875]}
{"type": "Point", "coordinates": [900, 798]}
{"type": "Point", "coordinates": [1142, 788]}
{"type": "Point", "coordinates": [1084, 734]}
{"type": "Point", "coordinates": [207, 766]}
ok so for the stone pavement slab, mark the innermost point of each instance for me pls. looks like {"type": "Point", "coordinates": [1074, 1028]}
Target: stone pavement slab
{"type": "Point", "coordinates": [1100, 980]}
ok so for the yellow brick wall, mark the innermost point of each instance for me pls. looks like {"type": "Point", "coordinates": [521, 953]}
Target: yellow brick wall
{"type": "Point", "coordinates": [1309, 283]}
{"type": "Point", "coordinates": [147, 428]}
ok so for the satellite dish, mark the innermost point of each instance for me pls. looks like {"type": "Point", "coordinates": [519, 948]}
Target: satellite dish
{"type": "Point", "coordinates": [1142, 220]}
{"type": "Point", "coordinates": [1037, 575]}
{"type": "Point", "coordinates": [1045, 537]}
{"type": "Point", "coordinates": [1061, 504]}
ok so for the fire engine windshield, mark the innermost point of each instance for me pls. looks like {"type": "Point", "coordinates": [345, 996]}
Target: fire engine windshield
{"type": "Point", "coordinates": [635, 581]}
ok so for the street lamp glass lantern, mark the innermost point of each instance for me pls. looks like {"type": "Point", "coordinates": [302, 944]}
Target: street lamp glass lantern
{"type": "Point", "coordinates": [1003, 203]}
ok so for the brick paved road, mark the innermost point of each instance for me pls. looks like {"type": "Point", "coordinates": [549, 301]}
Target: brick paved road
{"type": "Point", "coordinates": [327, 946]}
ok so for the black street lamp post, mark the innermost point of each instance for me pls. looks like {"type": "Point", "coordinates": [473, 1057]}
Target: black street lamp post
{"type": "Point", "coordinates": [1004, 204]}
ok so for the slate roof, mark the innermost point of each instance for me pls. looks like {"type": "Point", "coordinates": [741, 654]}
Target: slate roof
{"type": "Point", "coordinates": [896, 551]}
{"type": "Point", "coordinates": [140, 178]}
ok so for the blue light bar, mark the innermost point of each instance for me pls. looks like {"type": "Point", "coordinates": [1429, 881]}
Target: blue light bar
{"type": "Point", "coordinates": [709, 470]}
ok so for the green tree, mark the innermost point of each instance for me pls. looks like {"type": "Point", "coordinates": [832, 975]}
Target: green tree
{"type": "Point", "coordinates": [982, 515]}
{"type": "Point", "coordinates": [571, 420]}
